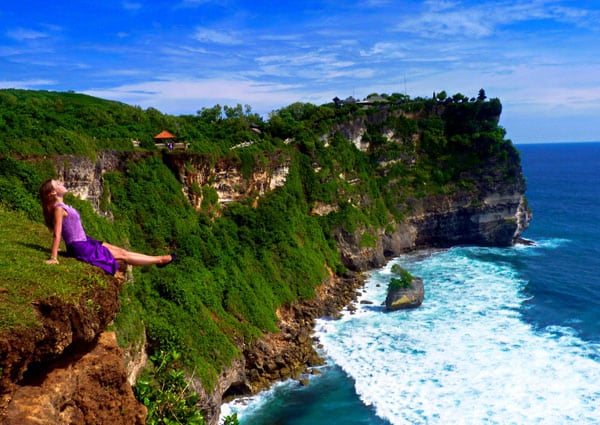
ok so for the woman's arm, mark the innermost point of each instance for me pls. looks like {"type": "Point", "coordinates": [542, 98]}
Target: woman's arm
{"type": "Point", "coordinates": [59, 213]}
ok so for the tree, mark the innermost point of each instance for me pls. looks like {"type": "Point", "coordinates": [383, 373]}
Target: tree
{"type": "Point", "coordinates": [460, 98]}
{"type": "Point", "coordinates": [481, 96]}
{"type": "Point", "coordinates": [233, 111]}
{"type": "Point", "coordinates": [210, 115]}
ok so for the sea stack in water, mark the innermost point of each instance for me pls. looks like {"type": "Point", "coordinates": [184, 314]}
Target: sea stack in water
{"type": "Point", "coordinates": [404, 291]}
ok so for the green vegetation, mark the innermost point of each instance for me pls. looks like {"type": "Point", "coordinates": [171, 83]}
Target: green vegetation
{"type": "Point", "coordinates": [166, 392]}
{"type": "Point", "coordinates": [43, 122]}
{"type": "Point", "coordinates": [236, 263]}
{"type": "Point", "coordinates": [24, 278]}
{"type": "Point", "coordinates": [404, 280]}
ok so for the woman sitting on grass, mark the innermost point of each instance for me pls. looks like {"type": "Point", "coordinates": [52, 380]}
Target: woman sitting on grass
{"type": "Point", "coordinates": [64, 221]}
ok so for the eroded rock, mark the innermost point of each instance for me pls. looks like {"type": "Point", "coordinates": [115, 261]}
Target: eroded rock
{"type": "Point", "coordinates": [81, 388]}
{"type": "Point", "coordinates": [406, 298]}
{"type": "Point", "coordinates": [66, 371]}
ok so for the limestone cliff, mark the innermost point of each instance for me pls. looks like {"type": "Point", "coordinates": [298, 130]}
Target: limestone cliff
{"type": "Point", "coordinates": [84, 174]}
{"type": "Point", "coordinates": [489, 215]}
{"type": "Point", "coordinates": [227, 178]}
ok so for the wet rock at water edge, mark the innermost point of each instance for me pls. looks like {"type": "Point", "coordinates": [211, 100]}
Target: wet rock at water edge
{"type": "Point", "coordinates": [405, 298]}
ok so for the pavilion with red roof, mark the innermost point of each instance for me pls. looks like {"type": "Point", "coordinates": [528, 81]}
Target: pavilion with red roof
{"type": "Point", "coordinates": [164, 136]}
{"type": "Point", "coordinates": [164, 139]}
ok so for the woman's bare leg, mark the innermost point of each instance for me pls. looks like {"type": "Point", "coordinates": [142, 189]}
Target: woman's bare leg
{"type": "Point", "coordinates": [136, 259]}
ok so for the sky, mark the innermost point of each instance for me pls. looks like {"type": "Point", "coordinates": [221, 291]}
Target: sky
{"type": "Point", "coordinates": [541, 58]}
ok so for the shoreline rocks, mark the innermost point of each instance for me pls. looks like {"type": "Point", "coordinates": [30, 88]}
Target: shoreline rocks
{"type": "Point", "coordinates": [405, 298]}
{"type": "Point", "coordinates": [291, 352]}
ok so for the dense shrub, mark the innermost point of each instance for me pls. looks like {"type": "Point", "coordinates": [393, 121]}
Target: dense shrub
{"type": "Point", "coordinates": [19, 184]}
{"type": "Point", "coordinates": [166, 394]}
{"type": "Point", "coordinates": [404, 279]}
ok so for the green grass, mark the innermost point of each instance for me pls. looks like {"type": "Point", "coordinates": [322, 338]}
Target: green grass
{"type": "Point", "coordinates": [24, 276]}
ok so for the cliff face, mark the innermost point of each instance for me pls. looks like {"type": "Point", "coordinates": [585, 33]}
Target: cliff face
{"type": "Point", "coordinates": [227, 178]}
{"type": "Point", "coordinates": [441, 222]}
{"type": "Point", "coordinates": [83, 175]}
{"type": "Point", "coordinates": [490, 216]}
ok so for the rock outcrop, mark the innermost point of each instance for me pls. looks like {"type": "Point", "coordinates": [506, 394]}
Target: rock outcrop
{"type": "Point", "coordinates": [226, 177]}
{"type": "Point", "coordinates": [66, 370]}
{"type": "Point", "coordinates": [405, 298]}
{"type": "Point", "coordinates": [83, 175]}
{"type": "Point", "coordinates": [81, 388]}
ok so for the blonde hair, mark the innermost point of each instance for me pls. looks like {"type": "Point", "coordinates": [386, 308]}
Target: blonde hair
{"type": "Point", "coordinates": [48, 199]}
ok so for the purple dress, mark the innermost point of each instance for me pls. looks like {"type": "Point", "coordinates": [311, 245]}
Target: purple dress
{"type": "Point", "coordinates": [81, 246]}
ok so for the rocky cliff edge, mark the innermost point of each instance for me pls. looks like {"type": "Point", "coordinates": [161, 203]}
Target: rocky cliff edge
{"type": "Point", "coordinates": [68, 369]}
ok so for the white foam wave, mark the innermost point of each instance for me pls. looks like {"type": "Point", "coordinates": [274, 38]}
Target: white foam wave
{"type": "Point", "coordinates": [548, 243]}
{"type": "Point", "coordinates": [465, 356]}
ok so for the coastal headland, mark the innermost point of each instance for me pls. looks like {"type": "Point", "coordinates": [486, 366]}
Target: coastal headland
{"type": "Point", "coordinates": [275, 226]}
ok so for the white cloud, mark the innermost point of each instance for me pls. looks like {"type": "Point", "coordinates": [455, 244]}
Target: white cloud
{"type": "Point", "coordinates": [21, 34]}
{"type": "Point", "coordinates": [8, 51]}
{"type": "Point", "coordinates": [194, 3]}
{"type": "Point", "coordinates": [300, 60]}
{"type": "Point", "coordinates": [445, 18]}
{"type": "Point", "coordinates": [545, 88]}
{"type": "Point", "coordinates": [129, 5]}
{"type": "Point", "coordinates": [123, 72]}
{"type": "Point", "coordinates": [183, 51]}
{"type": "Point", "coordinates": [357, 73]}
{"type": "Point", "coordinates": [377, 3]}
{"type": "Point", "coordinates": [280, 37]}
{"type": "Point", "coordinates": [437, 24]}
{"type": "Point", "coordinates": [306, 66]}
{"type": "Point", "coordinates": [188, 96]}
{"type": "Point", "coordinates": [26, 84]}
{"type": "Point", "coordinates": [379, 48]}
{"type": "Point", "coordinates": [205, 35]}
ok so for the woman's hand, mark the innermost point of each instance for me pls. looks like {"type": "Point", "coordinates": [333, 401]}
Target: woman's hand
{"type": "Point", "coordinates": [52, 261]}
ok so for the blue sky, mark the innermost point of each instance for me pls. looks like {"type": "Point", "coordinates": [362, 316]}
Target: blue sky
{"type": "Point", "coordinates": [540, 57]}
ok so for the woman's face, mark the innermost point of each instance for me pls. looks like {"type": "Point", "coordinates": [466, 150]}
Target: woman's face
{"type": "Point", "coordinates": [59, 188]}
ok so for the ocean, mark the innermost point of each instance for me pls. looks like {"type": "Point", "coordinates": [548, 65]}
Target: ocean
{"type": "Point", "coordinates": [504, 335]}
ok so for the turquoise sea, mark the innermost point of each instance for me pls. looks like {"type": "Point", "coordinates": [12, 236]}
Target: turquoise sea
{"type": "Point", "coordinates": [504, 336]}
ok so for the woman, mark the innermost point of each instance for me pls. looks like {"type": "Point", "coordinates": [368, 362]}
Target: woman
{"type": "Point", "coordinates": [64, 221]}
